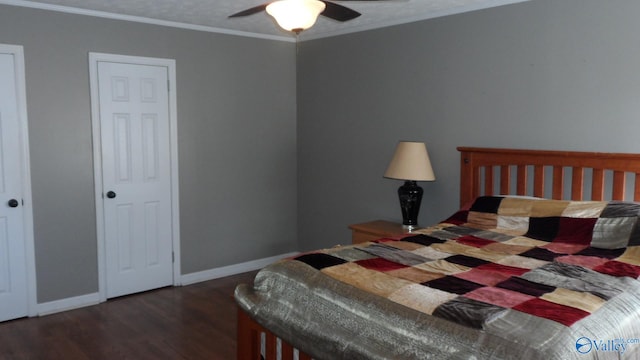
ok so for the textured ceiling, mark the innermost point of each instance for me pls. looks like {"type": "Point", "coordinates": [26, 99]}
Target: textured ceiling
{"type": "Point", "coordinates": [211, 15]}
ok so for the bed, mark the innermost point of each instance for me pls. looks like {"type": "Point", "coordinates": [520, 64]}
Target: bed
{"type": "Point", "coordinates": [541, 262]}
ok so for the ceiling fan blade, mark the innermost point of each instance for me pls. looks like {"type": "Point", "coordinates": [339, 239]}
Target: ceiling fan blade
{"type": "Point", "coordinates": [338, 12]}
{"type": "Point", "coordinates": [251, 11]}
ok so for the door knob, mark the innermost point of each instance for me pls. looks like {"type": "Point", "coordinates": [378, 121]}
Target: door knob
{"type": "Point", "coordinates": [13, 203]}
{"type": "Point", "coordinates": [111, 194]}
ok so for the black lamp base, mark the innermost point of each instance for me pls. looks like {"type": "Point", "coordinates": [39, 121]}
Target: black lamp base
{"type": "Point", "coordinates": [410, 195]}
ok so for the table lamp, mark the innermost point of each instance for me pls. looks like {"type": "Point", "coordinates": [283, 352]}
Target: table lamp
{"type": "Point", "coordinates": [410, 163]}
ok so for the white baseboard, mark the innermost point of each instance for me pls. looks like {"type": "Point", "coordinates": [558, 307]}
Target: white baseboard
{"type": "Point", "coordinates": [77, 302]}
{"type": "Point", "coordinates": [220, 272]}
{"type": "Point", "coordinates": [67, 304]}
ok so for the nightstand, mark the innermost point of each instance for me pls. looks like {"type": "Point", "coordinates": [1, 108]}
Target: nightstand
{"type": "Point", "coordinates": [374, 230]}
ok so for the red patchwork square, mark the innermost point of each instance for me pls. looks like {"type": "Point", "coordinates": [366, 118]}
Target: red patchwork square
{"type": "Point", "coordinates": [619, 269]}
{"type": "Point", "coordinates": [503, 269]}
{"type": "Point", "coordinates": [380, 264]}
{"type": "Point", "coordinates": [575, 230]}
{"type": "Point", "coordinates": [484, 277]}
{"type": "Point", "coordinates": [562, 314]}
{"type": "Point", "coordinates": [474, 241]}
{"type": "Point", "coordinates": [500, 297]}
{"type": "Point", "coordinates": [588, 262]}
{"type": "Point", "coordinates": [565, 248]}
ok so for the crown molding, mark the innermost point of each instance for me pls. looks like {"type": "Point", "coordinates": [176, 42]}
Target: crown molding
{"type": "Point", "coordinates": [142, 19]}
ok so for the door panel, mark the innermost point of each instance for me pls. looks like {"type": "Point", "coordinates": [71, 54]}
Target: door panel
{"type": "Point", "coordinates": [136, 167]}
{"type": "Point", "coordinates": [13, 279]}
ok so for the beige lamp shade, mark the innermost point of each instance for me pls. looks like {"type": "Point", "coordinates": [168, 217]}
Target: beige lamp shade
{"type": "Point", "coordinates": [410, 162]}
{"type": "Point", "coordinates": [295, 15]}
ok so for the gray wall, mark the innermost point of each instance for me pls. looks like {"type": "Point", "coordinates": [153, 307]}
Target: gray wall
{"type": "Point", "coordinates": [236, 134]}
{"type": "Point", "coordinates": [542, 74]}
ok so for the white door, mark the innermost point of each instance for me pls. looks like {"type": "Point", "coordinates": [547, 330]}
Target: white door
{"type": "Point", "coordinates": [14, 300]}
{"type": "Point", "coordinates": [136, 176]}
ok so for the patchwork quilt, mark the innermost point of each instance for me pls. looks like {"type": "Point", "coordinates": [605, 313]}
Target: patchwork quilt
{"type": "Point", "coordinates": [565, 267]}
{"type": "Point", "coordinates": [559, 260]}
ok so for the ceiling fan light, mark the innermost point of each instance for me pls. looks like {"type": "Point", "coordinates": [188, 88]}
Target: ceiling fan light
{"type": "Point", "coordinates": [295, 15]}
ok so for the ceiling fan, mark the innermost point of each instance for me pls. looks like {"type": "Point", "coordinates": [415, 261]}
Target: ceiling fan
{"type": "Point", "coordinates": [299, 15]}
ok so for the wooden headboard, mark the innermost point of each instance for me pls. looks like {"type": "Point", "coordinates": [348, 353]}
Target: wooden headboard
{"type": "Point", "coordinates": [568, 175]}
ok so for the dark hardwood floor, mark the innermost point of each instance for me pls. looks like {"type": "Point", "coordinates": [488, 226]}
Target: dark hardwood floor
{"type": "Point", "coordinates": [190, 322]}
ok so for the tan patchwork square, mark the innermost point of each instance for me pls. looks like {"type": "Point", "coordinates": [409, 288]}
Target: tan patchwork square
{"type": "Point", "coordinates": [507, 249]}
{"type": "Point", "coordinates": [414, 274]}
{"type": "Point", "coordinates": [452, 247]}
{"type": "Point", "coordinates": [516, 224]}
{"type": "Point", "coordinates": [431, 253]}
{"type": "Point", "coordinates": [442, 267]}
{"type": "Point", "coordinates": [516, 207]}
{"type": "Point", "coordinates": [526, 241]}
{"type": "Point", "coordinates": [547, 208]}
{"type": "Point", "coordinates": [631, 256]}
{"type": "Point", "coordinates": [584, 209]}
{"type": "Point", "coordinates": [372, 281]}
{"type": "Point", "coordinates": [579, 300]}
{"type": "Point", "coordinates": [421, 298]}
{"type": "Point", "coordinates": [481, 220]}
{"type": "Point", "coordinates": [522, 262]}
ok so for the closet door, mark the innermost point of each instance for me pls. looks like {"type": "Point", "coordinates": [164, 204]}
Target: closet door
{"type": "Point", "coordinates": [14, 295]}
{"type": "Point", "coordinates": [135, 157]}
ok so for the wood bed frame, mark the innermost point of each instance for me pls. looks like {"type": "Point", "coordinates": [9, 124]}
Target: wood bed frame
{"type": "Point", "coordinates": [478, 167]}
{"type": "Point", "coordinates": [490, 171]}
